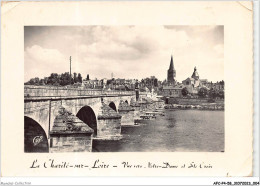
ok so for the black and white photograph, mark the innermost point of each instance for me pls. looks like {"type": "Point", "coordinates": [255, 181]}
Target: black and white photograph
{"type": "Point", "coordinates": [128, 92]}
{"type": "Point", "coordinates": [129, 88]}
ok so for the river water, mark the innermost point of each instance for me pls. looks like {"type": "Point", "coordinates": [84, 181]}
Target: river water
{"type": "Point", "coordinates": [177, 131]}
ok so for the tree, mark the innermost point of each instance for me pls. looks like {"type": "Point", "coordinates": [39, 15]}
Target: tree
{"type": "Point", "coordinates": [87, 77]}
{"type": "Point", "coordinates": [53, 79]}
{"type": "Point", "coordinates": [56, 79]}
{"type": "Point", "coordinates": [109, 81]}
{"type": "Point", "coordinates": [41, 82]}
{"type": "Point", "coordinates": [184, 91]}
{"type": "Point", "coordinates": [221, 94]}
{"type": "Point", "coordinates": [79, 78]}
{"type": "Point", "coordinates": [75, 77]}
{"type": "Point", "coordinates": [45, 80]}
{"type": "Point", "coordinates": [202, 92]}
{"type": "Point", "coordinates": [65, 79]}
{"type": "Point", "coordinates": [37, 81]}
{"type": "Point", "coordinates": [33, 81]}
{"type": "Point", "coordinates": [155, 83]}
{"type": "Point", "coordinates": [212, 93]}
{"type": "Point", "coordinates": [221, 82]}
{"type": "Point", "coordinates": [147, 82]}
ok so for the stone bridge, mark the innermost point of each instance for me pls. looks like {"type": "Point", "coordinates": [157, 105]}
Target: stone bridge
{"type": "Point", "coordinates": [96, 108]}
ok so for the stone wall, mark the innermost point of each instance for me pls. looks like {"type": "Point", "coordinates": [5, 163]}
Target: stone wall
{"type": "Point", "coordinates": [186, 101]}
{"type": "Point", "coordinates": [127, 117]}
{"type": "Point", "coordinates": [38, 111]}
{"type": "Point", "coordinates": [137, 112]}
{"type": "Point", "coordinates": [109, 123]}
{"type": "Point", "coordinates": [71, 143]}
{"type": "Point", "coordinates": [69, 134]}
{"type": "Point", "coordinates": [109, 128]}
{"type": "Point", "coordinates": [127, 113]}
{"type": "Point", "coordinates": [45, 91]}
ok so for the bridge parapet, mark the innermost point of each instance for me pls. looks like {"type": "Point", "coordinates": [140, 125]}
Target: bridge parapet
{"type": "Point", "coordinates": [45, 92]}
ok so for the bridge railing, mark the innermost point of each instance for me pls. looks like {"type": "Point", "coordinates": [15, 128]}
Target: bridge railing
{"type": "Point", "coordinates": [42, 91]}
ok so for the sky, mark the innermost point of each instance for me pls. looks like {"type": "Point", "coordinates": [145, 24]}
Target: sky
{"type": "Point", "coordinates": [131, 52]}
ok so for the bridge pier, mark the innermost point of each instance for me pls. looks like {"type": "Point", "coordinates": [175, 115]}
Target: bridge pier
{"type": "Point", "coordinates": [69, 134]}
{"type": "Point", "coordinates": [109, 123]}
{"type": "Point", "coordinates": [138, 108]}
{"type": "Point", "coordinates": [127, 113]}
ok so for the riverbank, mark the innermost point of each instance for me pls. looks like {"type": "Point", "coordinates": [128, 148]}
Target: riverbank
{"type": "Point", "coordinates": [204, 106]}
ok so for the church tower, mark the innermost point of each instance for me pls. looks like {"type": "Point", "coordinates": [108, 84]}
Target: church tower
{"type": "Point", "coordinates": [171, 74]}
{"type": "Point", "coordinates": [195, 74]}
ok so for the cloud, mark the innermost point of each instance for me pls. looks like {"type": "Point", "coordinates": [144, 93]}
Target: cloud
{"type": "Point", "coordinates": [40, 62]}
{"type": "Point", "coordinates": [219, 49]}
{"type": "Point", "coordinates": [110, 50]}
{"type": "Point", "coordinates": [126, 51]}
{"type": "Point", "coordinates": [130, 43]}
{"type": "Point", "coordinates": [39, 54]}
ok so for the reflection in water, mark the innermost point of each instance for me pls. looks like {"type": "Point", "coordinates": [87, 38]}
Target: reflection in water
{"type": "Point", "coordinates": [178, 130]}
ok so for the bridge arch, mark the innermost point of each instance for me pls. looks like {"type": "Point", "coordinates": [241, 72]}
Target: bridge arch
{"type": "Point", "coordinates": [88, 116]}
{"type": "Point", "coordinates": [113, 106]}
{"type": "Point", "coordinates": [35, 139]}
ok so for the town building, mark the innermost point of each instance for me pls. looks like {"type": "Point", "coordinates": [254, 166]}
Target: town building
{"type": "Point", "coordinates": [193, 83]}
{"type": "Point", "coordinates": [95, 83]}
{"type": "Point", "coordinates": [130, 83]}
{"type": "Point", "coordinates": [119, 81]}
{"type": "Point", "coordinates": [172, 91]}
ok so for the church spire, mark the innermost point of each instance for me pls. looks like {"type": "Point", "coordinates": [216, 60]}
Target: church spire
{"type": "Point", "coordinates": [171, 64]}
{"type": "Point", "coordinates": [171, 73]}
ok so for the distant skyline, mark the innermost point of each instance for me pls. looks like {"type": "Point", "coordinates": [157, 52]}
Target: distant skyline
{"type": "Point", "coordinates": [131, 52]}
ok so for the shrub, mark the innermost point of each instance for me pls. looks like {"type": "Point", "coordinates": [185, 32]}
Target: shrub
{"type": "Point", "coordinates": [184, 91]}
